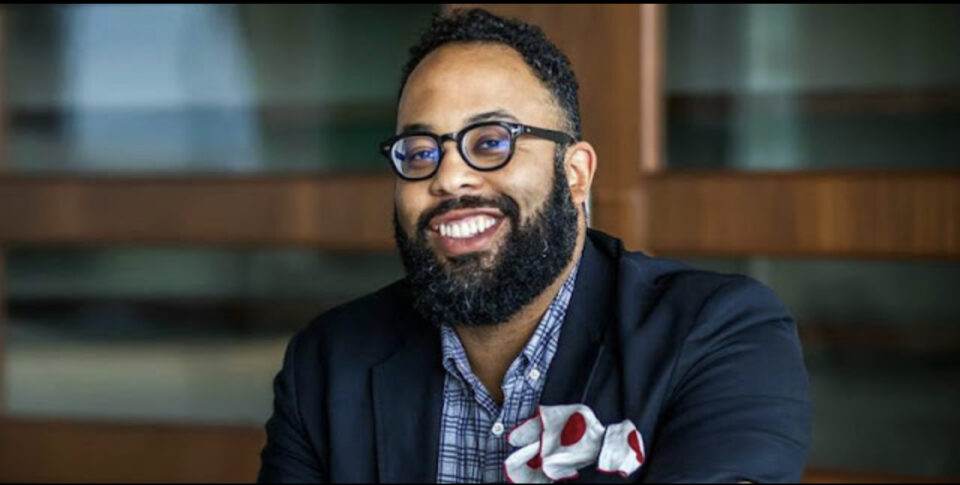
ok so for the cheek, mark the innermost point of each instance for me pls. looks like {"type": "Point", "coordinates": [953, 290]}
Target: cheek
{"type": "Point", "coordinates": [530, 187]}
{"type": "Point", "coordinates": [410, 204]}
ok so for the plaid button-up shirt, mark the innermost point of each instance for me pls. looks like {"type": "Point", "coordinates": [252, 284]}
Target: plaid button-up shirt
{"type": "Point", "coordinates": [474, 428]}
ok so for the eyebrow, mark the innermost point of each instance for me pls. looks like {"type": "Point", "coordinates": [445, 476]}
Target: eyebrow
{"type": "Point", "coordinates": [499, 114]}
{"type": "Point", "coordinates": [414, 127]}
{"type": "Point", "coordinates": [492, 115]}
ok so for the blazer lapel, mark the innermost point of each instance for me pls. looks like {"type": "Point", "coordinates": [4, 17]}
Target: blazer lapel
{"type": "Point", "coordinates": [408, 400]}
{"type": "Point", "coordinates": [586, 354]}
{"type": "Point", "coordinates": [592, 308]}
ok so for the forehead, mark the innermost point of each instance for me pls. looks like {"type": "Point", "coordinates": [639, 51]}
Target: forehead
{"type": "Point", "coordinates": [457, 81]}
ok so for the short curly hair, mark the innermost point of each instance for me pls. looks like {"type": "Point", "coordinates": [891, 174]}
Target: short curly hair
{"type": "Point", "coordinates": [549, 64]}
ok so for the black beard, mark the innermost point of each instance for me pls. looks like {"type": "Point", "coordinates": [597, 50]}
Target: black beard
{"type": "Point", "coordinates": [484, 290]}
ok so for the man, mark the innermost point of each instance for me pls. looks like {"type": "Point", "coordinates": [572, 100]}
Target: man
{"type": "Point", "coordinates": [510, 302]}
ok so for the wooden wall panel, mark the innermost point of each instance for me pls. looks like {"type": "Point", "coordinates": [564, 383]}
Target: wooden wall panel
{"type": "Point", "coordinates": [3, 330]}
{"type": "Point", "coordinates": [819, 214]}
{"type": "Point", "coordinates": [840, 476]}
{"type": "Point", "coordinates": [70, 451]}
{"type": "Point", "coordinates": [331, 212]}
{"type": "Point", "coordinates": [822, 214]}
{"type": "Point", "coordinates": [64, 451]}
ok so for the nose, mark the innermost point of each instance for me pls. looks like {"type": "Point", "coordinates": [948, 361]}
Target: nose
{"type": "Point", "coordinates": [454, 176]}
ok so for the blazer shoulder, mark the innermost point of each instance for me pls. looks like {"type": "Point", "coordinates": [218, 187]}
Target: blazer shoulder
{"type": "Point", "coordinates": [707, 298]}
{"type": "Point", "coordinates": [728, 305]}
{"type": "Point", "coordinates": [646, 283]}
{"type": "Point", "coordinates": [363, 326]}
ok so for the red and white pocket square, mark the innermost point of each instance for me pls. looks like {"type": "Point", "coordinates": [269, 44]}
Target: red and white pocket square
{"type": "Point", "coordinates": [560, 440]}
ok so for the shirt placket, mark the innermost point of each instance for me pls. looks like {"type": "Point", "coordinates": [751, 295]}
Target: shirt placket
{"type": "Point", "coordinates": [506, 420]}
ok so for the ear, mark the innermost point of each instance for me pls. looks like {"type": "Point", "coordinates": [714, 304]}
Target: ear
{"type": "Point", "coordinates": [580, 165]}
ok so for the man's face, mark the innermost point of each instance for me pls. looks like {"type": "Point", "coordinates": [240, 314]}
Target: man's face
{"type": "Point", "coordinates": [526, 204]}
{"type": "Point", "coordinates": [452, 85]}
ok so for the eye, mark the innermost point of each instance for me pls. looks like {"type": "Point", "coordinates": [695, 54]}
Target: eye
{"type": "Point", "coordinates": [416, 149]}
{"type": "Point", "coordinates": [422, 155]}
{"type": "Point", "coordinates": [491, 144]}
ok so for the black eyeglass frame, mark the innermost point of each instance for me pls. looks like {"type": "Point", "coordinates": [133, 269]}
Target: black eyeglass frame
{"type": "Point", "coordinates": [515, 130]}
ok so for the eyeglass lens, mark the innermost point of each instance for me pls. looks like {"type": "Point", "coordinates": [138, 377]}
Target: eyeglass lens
{"type": "Point", "coordinates": [484, 146]}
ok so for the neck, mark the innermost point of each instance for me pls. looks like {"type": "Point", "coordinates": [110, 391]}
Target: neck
{"type": "Point", "coordinates": [492, 349]}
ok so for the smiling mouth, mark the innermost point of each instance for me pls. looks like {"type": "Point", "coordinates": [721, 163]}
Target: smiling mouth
{"type": "Point", "coordinates": [467, 227]}
{"type": "Point", "coordinates": [462, 232]}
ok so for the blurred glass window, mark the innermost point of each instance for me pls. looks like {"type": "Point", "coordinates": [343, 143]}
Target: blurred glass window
{"type": "Point", "coordinates": [203, 88]}
{"type": "Point", "coordinates": [176, 335]}
{"type": "Point", "coordinates": [796, 87]}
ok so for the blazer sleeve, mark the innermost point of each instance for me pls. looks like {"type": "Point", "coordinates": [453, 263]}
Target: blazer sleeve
{"type": "Point", "coordinates": [289, 456]}
{"type": "Point", "coordinates": [739, 410]}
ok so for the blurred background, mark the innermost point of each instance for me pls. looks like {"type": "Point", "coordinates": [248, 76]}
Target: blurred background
{"type": "Point", "coordinates": [183, 186]}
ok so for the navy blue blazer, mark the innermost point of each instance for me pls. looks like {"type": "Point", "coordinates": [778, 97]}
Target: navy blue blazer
{"type": "Point", "coordinates": [708, 366]}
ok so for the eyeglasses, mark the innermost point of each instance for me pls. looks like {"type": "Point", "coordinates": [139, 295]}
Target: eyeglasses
{"type": "Point", "coordinates": [484, 146]}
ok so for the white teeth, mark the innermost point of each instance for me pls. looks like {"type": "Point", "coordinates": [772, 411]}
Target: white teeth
{"type": "Point", "coordinates": [466, 228]}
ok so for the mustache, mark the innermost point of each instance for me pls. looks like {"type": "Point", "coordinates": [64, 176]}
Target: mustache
{"type": "Point", "coordinates": [504, 203]}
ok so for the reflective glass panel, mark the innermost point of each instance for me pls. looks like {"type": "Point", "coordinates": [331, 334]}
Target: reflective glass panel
{"type": "Point", "coordinates": [183, 335]}
{"type": "Point", "coordinates": [203, 87]}
{"type": "Point", "coordinates": [793, 87]}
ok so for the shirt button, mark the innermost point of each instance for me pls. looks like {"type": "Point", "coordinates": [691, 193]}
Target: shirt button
{"type": "Point", "coordinates": [497, 429]}
{"type": "Point", "coordinates": [534, 375]}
